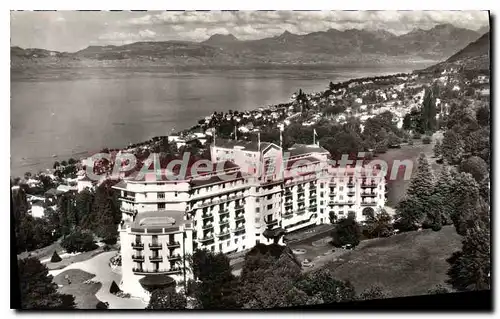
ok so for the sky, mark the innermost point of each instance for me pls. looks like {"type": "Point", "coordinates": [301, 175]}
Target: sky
{"type": "Point", "coordinates": [75, 30]}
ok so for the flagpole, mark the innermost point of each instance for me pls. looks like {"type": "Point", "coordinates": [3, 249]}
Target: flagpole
{"type": "Point", "coordinates": [314, 136]}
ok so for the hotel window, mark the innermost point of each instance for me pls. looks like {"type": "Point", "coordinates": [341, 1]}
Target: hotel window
{"type": "Point", "coordinates": [257, 209]}
{"type": "Point", "coordinates": [270, 206]}
{"type": "Point", "coordinates": [257, 200]}
{"type": "Point", "coordinates": [341, 188]}
{"type": "Point", "coordinates": [269, 196]}
{"type": "Point", "coordinates": [321, 194]}
{"type": "Point", "coordinates": [212, 248]}
{"type": "Point", "coordinates": [341, 197]}
{"type": "Point", "coordinates": [220, 247]}
{"type": "Point", "coordinates": [161, 206]}
{"type": "Point", "coordinates": [175, 194]}
{"type": "Point", "coordinates": [321, 185]}
{"type": "Point", "coordinates": [236, 240]}
{"type": "Point", "coordinates": [161, 195]}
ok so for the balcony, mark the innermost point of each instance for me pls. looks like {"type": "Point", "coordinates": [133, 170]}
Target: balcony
{"type": "Point", "coordinates": [137, 245]}
{"type": "Point", "coordinates": [368, 194]}
{"type": "Point", "coordinates": [239, 217]}
{"type": "Point", "coordinates": [138, 258]}
{"type": "Point", "coordinates": [350, 184]}
{"type": "Point", "coordinates": [313, 207]}
{"type": "Point", "coordinates": [174, 257]}
{"type": "Point", "coordinates": [141, 271]}
{"type": "Point", "coordinates": [239, 228]}
{"type": "Point", "coordinates": [224, 212]}
{"type": "Point", "coordinates": [222, 234]}
{"type": "Point", "coordinates": [368, 185]}
{"type": "Point", "coordinates": [156, 259]}
{"type": "Point", "coordinates": [155, 246]}
{"type": "Point", "coordinates": [223, 222]}
{"type": "Point", "coordinates": [239, 207]}
{"type": "Point", "coordinates": [174, 244]}
{"type": "Point", "coordinates": [207, 238]}
{"type": "Point", "coordinates": [289, 204]}
{"type": "Point", "coordinates": [368, 204]}
{"type": "Point", "coordinates": [301, 201]}
{"type": "Point", "coordinates": [271, 222]}
{"type": "Point", "coordinates": [206, 216]}
{"type": "Point", "coordinates": [301, 211]}
{"type": "Point", "coordinates": [312, 194]}
{"type": "Point", "coordinates": [207, 226]}
{"type": "Point", "coordinates": [288, 213]}
{"type": "Point", "coordinates": [300, 191]}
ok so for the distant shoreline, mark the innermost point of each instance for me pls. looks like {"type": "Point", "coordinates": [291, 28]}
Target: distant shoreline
{"type": "Point", "coordinates": [60, 157]}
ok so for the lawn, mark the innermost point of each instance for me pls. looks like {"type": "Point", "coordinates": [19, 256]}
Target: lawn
{"type": "Point", "coordinates": [84, 293]}
{"type": "Point", "coordinates": [402, 265]}
{"type": "Point", "coordinates": [397, 188]}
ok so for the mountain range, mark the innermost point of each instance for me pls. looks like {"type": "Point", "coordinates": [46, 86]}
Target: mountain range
{"type": "Point", "coordinates": [324, 47]}
{"type": "Point", "coordinates": [475, 56]}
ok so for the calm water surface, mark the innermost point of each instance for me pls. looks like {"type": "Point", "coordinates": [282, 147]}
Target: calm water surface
{"type": "Point", "coordinates": [68, 115]}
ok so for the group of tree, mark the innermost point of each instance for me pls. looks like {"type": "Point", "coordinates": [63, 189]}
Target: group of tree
{"type": "Point", "coordinates": [37, 290]}
{"type": "Point", "coordinates": [77, 218]}
{"type": "Point", "coordinates": [271, 277]}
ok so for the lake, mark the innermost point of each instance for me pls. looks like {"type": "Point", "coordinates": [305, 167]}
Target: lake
{"type": "Point", "coordinates": [69, 113]}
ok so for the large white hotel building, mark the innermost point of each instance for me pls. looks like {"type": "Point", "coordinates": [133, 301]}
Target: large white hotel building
{"type": "Point", "coordinates": [231, 208]}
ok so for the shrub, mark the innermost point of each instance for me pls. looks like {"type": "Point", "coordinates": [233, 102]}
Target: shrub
{"type": "Point", "coordinates": [79, 241]}
{"type": "Point", "coordinates": [347, 231]}
{"type": "Point", "coordinates": [427, 139]}
{"type": "Point", "coordinates": [114, 289]}
{"type": "Point", "coordinates": [417, 136]}
{"type": "Point", "coordinates": [436, 227]}
{"type": "Point", "coordinates": [410, 142]}
{"type": "Point", "coordinates": [55, 258]}
{"type": "Point", "coordinates": [101, 305]}
{"type": "Point", "coordinates": [106, 248]}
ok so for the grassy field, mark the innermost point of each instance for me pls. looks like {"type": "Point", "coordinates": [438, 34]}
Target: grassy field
{"type": "Point", "coordinates": [84, 293]}
{"type": "Point", "coordinates": [402, 265]}
{"type": "Point", "coordinates": [397, 188]}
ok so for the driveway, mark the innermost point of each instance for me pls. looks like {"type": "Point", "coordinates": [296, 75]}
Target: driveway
{"type": "Point", "coordinates": [98, 266]}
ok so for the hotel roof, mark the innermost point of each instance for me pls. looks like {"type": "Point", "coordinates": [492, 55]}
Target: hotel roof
{"type": "Point", "coordinates": [168, 219]}
{"type": "Point", "coordinates": [301, 149]}
{"type": "Point", "coordinates": [251, 146]}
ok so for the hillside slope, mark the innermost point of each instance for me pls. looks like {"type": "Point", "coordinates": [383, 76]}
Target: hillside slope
{"type": "Point", "coordinates": [475, 56]}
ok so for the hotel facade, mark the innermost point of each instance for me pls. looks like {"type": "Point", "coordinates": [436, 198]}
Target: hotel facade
{"type": "Point", "coordinates": [253, 193]}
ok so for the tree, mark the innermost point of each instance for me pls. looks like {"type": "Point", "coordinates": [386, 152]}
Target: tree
{"type": "Point", "coordinates": [379, 225]}
{"type": "Point", "coordinates": [67, 213]}
{"type": "Point", "coordinates": [438, 149]}
{"type": "Point", "coordinates": [347, 231]}
{"type": "Point", "coordinates": [55, 258]}
{"type": "Point", "coordinates": [79, 241]}
{"type": "Point", "coordinates": [470, 268]}
{"type": "Point", "coordinates": [37, 289]}
{"type": "Point", "coordinates": [475, 166]}
{"type": "Point", "coordinates": [464, 196]}
{"type": "Point", "coordinates": [483, 116]}
{"type": "Point", "coordinates": [477, 143]}
{"type": "Point", "coordinates": [103, 216]}
{"type": "Point", "coordinates": [114, 289]}
{"type": "Point", "coordinates": [441, 208]}
{"type": "Point", "coordinates": [267, 277]}
{"type": "Point", "coordinates": [422, 181]}
{"type": "Point", "coordinates": [426, 139]}
{"type": "Point", "coordinates": [372, 293]}
{"type": "Point", "coordinates": [437, 290]}
{"type": "Point", "coordinates": [167, 298]}
{"type": "Point", "coordinates": [322, 284]}
{"type": "Point", "coordinates": [83, 205]}
{"type": "Point", "coordinates": [56, 165]}
{"type": "Point", "coordinates": [452, 147]}
{"type": "Point", "coordinates": [215, 289]}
